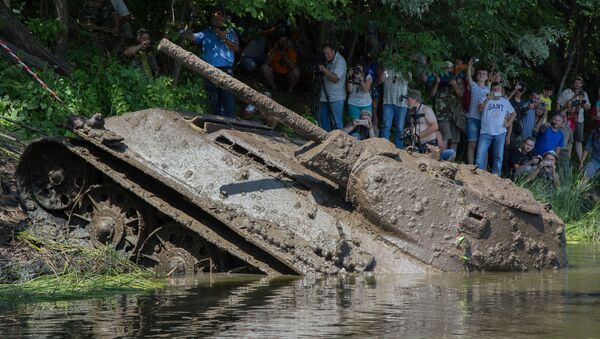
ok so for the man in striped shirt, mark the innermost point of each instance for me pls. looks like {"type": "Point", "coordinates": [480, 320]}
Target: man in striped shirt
{"type": "Point", "coordinates": [479, 91]}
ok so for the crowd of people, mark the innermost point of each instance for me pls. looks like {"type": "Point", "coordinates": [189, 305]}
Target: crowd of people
{"type": "Point", "coordinates": [509, 130]}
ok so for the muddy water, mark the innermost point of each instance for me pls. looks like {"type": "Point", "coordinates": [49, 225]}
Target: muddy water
{"type": "Point", "coordinates": [549, 304]}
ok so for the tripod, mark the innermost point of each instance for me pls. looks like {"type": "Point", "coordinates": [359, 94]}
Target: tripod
{"type": "Point", "coordinates": [317, 87]}
{"type": "Point", "coordinates": [414, 141]}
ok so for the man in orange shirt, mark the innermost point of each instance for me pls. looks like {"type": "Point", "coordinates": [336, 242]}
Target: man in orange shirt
{"type": "Point", "coordinates": [281, 65]}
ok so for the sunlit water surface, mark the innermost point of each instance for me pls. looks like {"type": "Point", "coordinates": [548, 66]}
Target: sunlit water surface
{"type": "Point", "coordinates": [562, 303]}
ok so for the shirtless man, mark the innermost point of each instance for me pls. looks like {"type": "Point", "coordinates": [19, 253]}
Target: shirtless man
{"type": "Point", "coordinates": [426, 123]}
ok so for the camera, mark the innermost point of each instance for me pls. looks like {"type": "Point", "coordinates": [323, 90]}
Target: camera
{"type": "Point", "coordinates": [576, 102]}
{"type": "Point", "coordinates": [363, 122]}
{"type": "Point", "coordinates": [356, 70]}
{"type": "Point", "coordinates": [523, 85]}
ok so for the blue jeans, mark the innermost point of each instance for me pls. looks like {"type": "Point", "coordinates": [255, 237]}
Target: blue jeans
{"type": "Point", "coordinates": [396, 115]}
{"type": "Point", "coordinates": [473, 129]}
{"type": "Point", "coordinates": [483, 146]}
{"type": "Point", "coordinates": [325, 118]}
{"type": "Point", "coordinates": [220, 101]}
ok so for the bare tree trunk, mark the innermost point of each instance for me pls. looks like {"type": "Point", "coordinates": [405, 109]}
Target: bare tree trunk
{"type": "Point", "coordinates": [571, 50]}
{"type": "Point", "coordinates": [62, 14]}
{"type": "Point", "coordinates": [7, 3]}
{"type": "Point", "coordinates": [352, 50]}
{"type": "Point", "coordinates": [15, 32]}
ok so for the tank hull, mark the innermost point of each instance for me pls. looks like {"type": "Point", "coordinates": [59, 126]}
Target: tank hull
{"type": "Point", "coordinates": [250, 193]}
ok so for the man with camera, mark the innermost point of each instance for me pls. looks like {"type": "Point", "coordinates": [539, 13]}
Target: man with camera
{"type": "Point", "coordinates": [592, 147]}
{"type": "Point", "coordinates": [447, 92]}
{"type": "Point", "coordinates": [576, 97]}
{"type": "Point", "coordinates": [497, 114]}
{"type": "Point", "coordinates": [142, 54]}
{"type": "Point", "coordinates": [522, 159]}
{"type": "Point", "coordinates": [362, 127]}
{"type": "Point", "coordinates": [333, 91]}
{"type": "Point", "coordinates": [545, 171]}
{"type": "Point", "coordinates": [281, 65]}
{"type": "Point", "coordinates": [218, 48]}
{"type": "Point", "coordinates": [422, 122]}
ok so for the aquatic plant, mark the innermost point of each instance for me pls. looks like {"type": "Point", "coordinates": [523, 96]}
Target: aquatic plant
{"type": "Point", "coordinates": [78, 272]}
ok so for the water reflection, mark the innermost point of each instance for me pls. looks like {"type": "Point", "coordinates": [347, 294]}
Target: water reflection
{"type": "Point", "coordinates": [549, 304]}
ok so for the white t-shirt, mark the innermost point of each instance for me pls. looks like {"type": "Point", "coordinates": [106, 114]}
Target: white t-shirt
{"type": "Point", "coordinates": [358, 97]}
{"type": "Point", "coordinates": [478, 94]}
{"type": "Point", "coordinates": [494, 115]}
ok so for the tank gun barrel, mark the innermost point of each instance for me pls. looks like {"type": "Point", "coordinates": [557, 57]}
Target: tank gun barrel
{"type": "Point", "coordinates": [287, 117]}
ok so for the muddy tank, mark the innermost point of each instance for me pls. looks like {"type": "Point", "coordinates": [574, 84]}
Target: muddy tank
{"type": "Point", "coordinates": [184, 192]}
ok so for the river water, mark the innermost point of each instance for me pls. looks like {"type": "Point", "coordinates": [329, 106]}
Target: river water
{"type": "Point", "coordinates": [562, 303]}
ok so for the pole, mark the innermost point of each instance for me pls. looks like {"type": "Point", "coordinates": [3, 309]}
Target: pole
{"type": "Point", "coordinates": [222, 80]}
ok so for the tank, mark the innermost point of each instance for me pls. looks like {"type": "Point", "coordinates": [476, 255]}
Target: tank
{"type": "Point", "coordinates": [184, 192]}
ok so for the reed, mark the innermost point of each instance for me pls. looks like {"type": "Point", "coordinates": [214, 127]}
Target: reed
{"type": "Point", "coordinates": [78, 272]}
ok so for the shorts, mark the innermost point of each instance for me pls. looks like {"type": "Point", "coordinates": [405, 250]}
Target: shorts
{"type": "Point", "coordinates": [473, 129]}
{"type": "Point", "coordinates": [578, 134]}
{"type": "Point", "coordinates": [449, 131]}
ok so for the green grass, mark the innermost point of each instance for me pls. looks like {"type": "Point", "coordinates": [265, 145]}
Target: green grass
{"type": "Point", "coordinates": [79, 272]}
{"type": "Point", "coordinates": [574, 202]}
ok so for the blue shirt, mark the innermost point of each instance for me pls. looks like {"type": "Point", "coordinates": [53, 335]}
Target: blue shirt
{"type": "Point", "coordinates": [548, 141]}
{"type": "Point", "coordinates": [214, 51]}
{"type": "Point", "coordinates": [528, 120]}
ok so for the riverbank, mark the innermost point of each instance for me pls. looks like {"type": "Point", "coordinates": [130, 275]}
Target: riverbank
{"type": "Point", "coordinates": [37, 263]}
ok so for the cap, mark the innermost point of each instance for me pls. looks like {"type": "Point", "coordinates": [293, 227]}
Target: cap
{"type": "Point", "coordinates": [541, 105]}
{"type": "Point", "coordinates": [414, 94]}
{"type": "Point", "coordinates": [552, 153]}
{"type": "Point", "coordinates": [365, 111]}
{"type": "Point", "coordinates": [579, 77]}
{"type": "Point", "coordinates": [449, 64]}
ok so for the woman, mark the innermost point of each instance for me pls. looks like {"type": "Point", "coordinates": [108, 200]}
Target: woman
{"type": "Point", "coordinates": [359, 92]}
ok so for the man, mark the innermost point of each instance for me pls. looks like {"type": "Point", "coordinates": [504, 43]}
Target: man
{"type": "Point", "coordinates": [522, 159]}
{"type": "Point", "coordinates": [576, 96]}
{"type": "Point", "coordinates": [142, 54]}
{"type": "Point", "coordinates": [218, 48]}
{"type": "Point", "coordinates": [592, 147]}
{"type": "Point", "coordinates": [564, 157]}
{"type": "Point", "coordinates": [281, 65]}
{"type": "Point", "coordinates": [395, 87]}
{"type": "Point", "coordinates": [108, 17]}
{"type": "Point", "coordinates": [545, 171]}
{"type": "Point", "coordinates": [333, 91]}
{"type": "Point", "coordinates": [528, 114]}
{"type": "Point", "coordinates": [361, 128]}
{"type": "Point", "coordinates": [422, 121]}
{"type": "Point", "coordinates": [447, 95]}
{"type": "Point", "coordinates": [550, 138]}
{"type": "Point", "coordinates": [479, 90]}
{"type": "Point", "coordinates": [497, 114]}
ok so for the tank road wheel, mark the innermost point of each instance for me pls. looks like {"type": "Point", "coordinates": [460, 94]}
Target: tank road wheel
{"type": "Point", "coordinates": [57, 180]}
{"type": "Point", "coordinates": [111, 216]}
{"type": "Point", "coordinates": [173, 249]}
